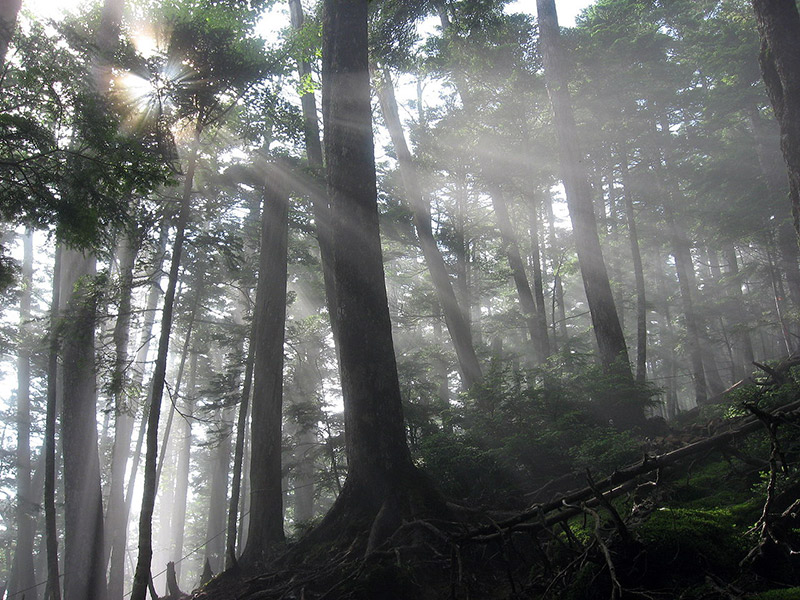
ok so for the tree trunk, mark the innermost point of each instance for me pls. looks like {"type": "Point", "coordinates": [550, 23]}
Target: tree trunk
{"type": "Point", "coordinates": [9, 9]}
{"type": "Point", "coordinates": [383, 486]}
{"type": "Point", "coordinates": [142, 574]}
{"type": "Point", "coordinates": [178, 519]}
{"type": "Point", "coordinates": [461, 242]}
{"type": "Point", "coordinates": [745, 345]}
{"type": "Point", "coordinates": [319, 197]}
{"type": "Point", "coordinates": [610, 339]}
{"type": "Point", "coordinates": [53, 590]}
{"type": "Point", "coordinates": [685, 270]}
{"type": "Point", "coordinates": [779, 28]}
{"type": "Point", "coordinates": [84, 565]}
{"type": "Point", "coordinates": [607, 328]}
{"type": "Point", "coordinates": [266, 497]}
{"type": "Point", "coordinates": [238, 453]}
{"type": "Point", "coordinates": [116, 576]}
{"type": "Point", "coordinates": [558, 307]}
{"type": "Point", "coordinates": [116, 519]}
{"type": "Point", "coordinates": [220, 465]}
{"type": "Point", "coordinates": [638, 273]}
{"type": "Point", "coordinates": [536, 268]}
{"type": "Point", "coordinates": [457, 325]}
{"type": "Point", "coordinates": [22, 574]}
{"type": "Point", "coordinates": [514, 257]}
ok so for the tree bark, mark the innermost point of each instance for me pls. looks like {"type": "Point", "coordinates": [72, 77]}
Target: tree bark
{"type": "Point", "coordinates": [457, 325]}
{"type": "Point", "coordinates": [683, 266]}
{"type": "Point", "coordinates": [524, 293]}
{"type": "Point", "coordinates": [142, 574]}
{"type": "Point", "coordinates": [319, 198]}
{"type": "Point", "coordinates": [84, 565]}
{"type": "Point", "coordinates": [266, 497]}
{"type": "Point", "coordinates": [116, 519]}
{"type": "Point", "coordinates": [538, 278]}
{"type": "Point", "coordinates": [178, 519]}
{"type": "Point", "coordinates": [779, 28]}
{"type": "Point", "coordinates": [559, 308]}
{"type": "Point", "coordinates": [745, 345]}
{"type": "Point", "coordinates": [607, 328]}
{"type": "Point", "coordinates": [382, 485]}
{"type": "Point", "coordinates": [22, 574]}
{"type": "Point", "coordinates": [638, 273]}
{"type": "Point", "coordinates": [610, 339]}
{"type": "Point", "coordinates": [9, 9]}
{"type": "Point", "coordinates": [116, 576]}
{"type": "Point", "coordinates": [220, 465]}
{"type": "Point", "coordinates": [53, 590]}
{"type": "Point", "coordinates": [238, 452]}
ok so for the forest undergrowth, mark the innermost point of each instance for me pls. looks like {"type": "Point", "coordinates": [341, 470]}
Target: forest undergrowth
{"type": "Point", "coordinates": [708, 510]}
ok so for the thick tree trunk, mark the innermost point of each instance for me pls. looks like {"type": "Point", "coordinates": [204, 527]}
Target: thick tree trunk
{"type": "Point", "coordinates": [457, 325]}
{"type": "Point", "coordinates": [613, 351]}
{"type": "Point", "coordinates": [84, 564]}
{"type": "Point", "coordinates": [53, 590]}
{"type": "Point", "coordinates": [9, 9]}
{"type": "Point", "coordinates": [779, 28]}
{"type": "Point", "coordinates": [638, 273]}
{"type": "Point", "coordinates": [608, 331]}
{"type": "Point", "coordinates": [382, 485]}
{"type": "Point", "coordinates": [266, 497]}
{"type": "Point", "coordinates": [22, 574]}
{"type": "Point", "coordinates": [142, 574]}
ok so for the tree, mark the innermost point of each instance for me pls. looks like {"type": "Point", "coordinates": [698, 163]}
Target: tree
{"type": "Point", "coordinates": [382, 484]}
{"type": "Point", "coordinates": [608, 331]}
{"type": "Point", "coordinates": [8, 21]}
{"type": "Point", "coordinates": [266, 496]}
{"type": "Point", "coordinates": [421, 211]}
{"type": "Point", "coordinates": [84, 564]}
{"type": "Point", "coordinates": [22, 575]}
{"type": "Point", "coordinates": [779, 28]}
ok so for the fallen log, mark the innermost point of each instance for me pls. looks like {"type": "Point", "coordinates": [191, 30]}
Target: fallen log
{"type": "Point", "coordinates": [622, 480]}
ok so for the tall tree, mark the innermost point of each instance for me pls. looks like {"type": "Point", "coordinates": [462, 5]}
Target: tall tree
{"type": "Point", "coordinates": [8, 21]}
{"type": "Point", "coordinates": [53, 590]}
{"type": "Point", "coordinates": [779, 28]}
{"type": "Point", "coordinates": [22, 577]}
{"type": "Point", "coordinates": [607, 328]}
{"type": "Point", "coordinates": [454, 318]}
{"type": "Point", "coordinates": [142, 573]}
{"type": "Point", "coordinates": [382, 484]}
{"type": "Point", "coordinates": [266, 497]}
{"type": "Point", "coordinates": [84, 564]}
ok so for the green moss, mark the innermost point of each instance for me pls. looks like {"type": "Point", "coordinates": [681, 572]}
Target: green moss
{"type": "Point", "coordinates": [688, 542]}
{"type": "Point", "coordinates": [781, 594]}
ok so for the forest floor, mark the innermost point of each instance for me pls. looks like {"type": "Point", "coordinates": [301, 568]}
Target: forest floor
{"type": "Point", "coordinates": [712, 511]}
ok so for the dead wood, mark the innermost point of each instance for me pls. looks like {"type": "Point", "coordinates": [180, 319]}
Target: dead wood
{"type": "Point", "coordinates": [622, 480]}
